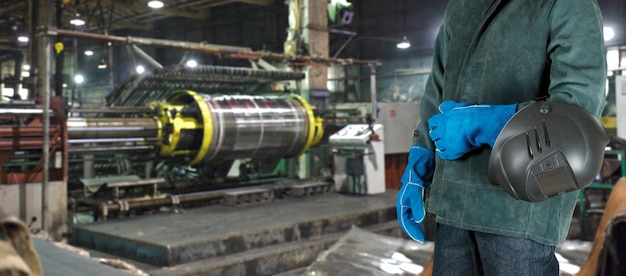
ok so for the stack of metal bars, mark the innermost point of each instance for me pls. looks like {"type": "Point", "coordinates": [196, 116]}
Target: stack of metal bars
{"type": "Point", "coordinates": [139, 90]}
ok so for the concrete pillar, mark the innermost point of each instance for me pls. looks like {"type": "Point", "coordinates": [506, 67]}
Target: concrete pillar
{"type": "Point", "coordinates": [308, 35]}
{"type": "Point", "coordinates": [46, 200]}
{"type": "Point", "coordinates": [315, 35]}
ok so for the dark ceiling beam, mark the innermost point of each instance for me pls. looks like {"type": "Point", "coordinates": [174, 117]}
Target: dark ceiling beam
{"type": "Point", "coordinates": [257, 2]}
{"type": "Point", "coordinates": [11, 7]}
{"type": "Point", "coordinates": [202, 3]}
{"type": "Point", "coordinates": [147, 26]}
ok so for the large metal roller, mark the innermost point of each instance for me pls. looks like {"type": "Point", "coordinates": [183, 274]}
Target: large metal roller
{"type": "Point", "coordinates": [202, 128]}
{"type": "Point", "coordinates": [209, 128]}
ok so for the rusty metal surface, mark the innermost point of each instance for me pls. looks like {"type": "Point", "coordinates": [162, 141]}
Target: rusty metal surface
{"type": "Point", "coordinates": [217, 231]}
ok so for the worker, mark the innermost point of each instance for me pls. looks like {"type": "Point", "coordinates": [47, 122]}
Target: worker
{"type": "Point", "coordinates": [492, 58]}
{"type": "Point", "coordinates": [17, 254]}
{"type": "Point", "coordinates": [608, 251]}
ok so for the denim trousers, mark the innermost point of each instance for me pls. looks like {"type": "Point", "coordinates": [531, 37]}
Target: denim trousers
{"type": "Point", "coordinates": [463, 252]}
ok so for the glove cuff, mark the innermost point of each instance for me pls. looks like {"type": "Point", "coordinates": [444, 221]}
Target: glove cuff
{"type": "Point", "coordinates": [420, 166]}
{"type": "Point", "coordinates": [502, 115]}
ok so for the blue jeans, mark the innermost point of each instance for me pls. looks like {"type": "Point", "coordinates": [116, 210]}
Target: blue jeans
{"type": "Point", "coordinates": [463, 252]}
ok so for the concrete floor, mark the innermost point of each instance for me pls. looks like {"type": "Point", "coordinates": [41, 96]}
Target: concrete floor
{"type": "Point", "coordinates": [262, 239]}
{"type": "Point", "coordinates": [281, 238]}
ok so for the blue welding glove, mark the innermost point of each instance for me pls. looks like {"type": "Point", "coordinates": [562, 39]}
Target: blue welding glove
{"type": "Point", "coordinates": [410, 201]}
{"type": "Point", "coordinates": [461, 127]}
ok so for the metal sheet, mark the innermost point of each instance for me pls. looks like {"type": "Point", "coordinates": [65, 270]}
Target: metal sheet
{"type": "Point", "coordinates": [220, 231]}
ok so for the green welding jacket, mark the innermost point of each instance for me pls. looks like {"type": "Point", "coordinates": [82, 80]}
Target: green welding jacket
{"type": "Point", "coordinates": [505, 52]}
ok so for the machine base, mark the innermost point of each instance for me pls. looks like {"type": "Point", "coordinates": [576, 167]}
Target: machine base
{"type": "Point", "coordinates": [257, 239]}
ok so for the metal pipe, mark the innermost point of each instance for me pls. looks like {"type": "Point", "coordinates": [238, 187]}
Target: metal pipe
{"type": "Point", "coordinates": [17, 74]}
{"type": "Point", "coordinates": [111, 140]}
{"type": "Point", "coordinates": [109, 149]}
{"type": "Point", "coordinates": [163, 200]}
{"type": "Point", "coordinates": [373, 94]}
{"type": "Point", "coordinates": [107, 129]}
{"type": "Point", "coordinates": [156, 202]}
{"type": "Point", "coordinates": [13, 131]}
{"type": "Point", "coordinates": [210, 49]}
{"type": "Point", "coordinates": [24, 143]}
{"type": "Point", "coordinates": [84, 128]}
{"type": "Point", "coordinates": [147, 57]}
{"type": "Point", "coordinates": [21, 111]}
{"type": "Point", "coordinates": [46, 52]}
{"type": "Point", "coordinates": [136, 182]}
{"type": "Point", "coordinates": [114, 110]}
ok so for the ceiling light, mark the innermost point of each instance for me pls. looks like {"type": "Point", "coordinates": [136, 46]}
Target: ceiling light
{"type": "Point", "coordinates": [26, 67]}
{"type": "Point", "coordinates": [155, 4]}
{"type": "Point", "coordinates": [140, 69]}
{"type": "Point", "coordinates": [77, 20]}
{"type": "Point", "coordinates": [88, 52]}
{"type": "Point", "coordinates": [79, 79]}
{"type": "Point", "coordinates": [404, 44]}
{"type": "Point", "coordinates": [22, 38]}
{"type": "Point", "coordinates": [191, 63]}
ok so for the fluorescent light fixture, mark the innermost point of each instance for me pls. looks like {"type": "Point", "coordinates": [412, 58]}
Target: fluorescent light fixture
{"type": "Point", "coordinates": [192, 63]}
{"type": "Point", "coordinates": [102, 64]}
{"type": "Point", "coordinates": [155, 4]}
{"type": "Point", "coordinates": [79, 79]}
{"type": "Point", "coordinates": [77, 20]}
{"type": "Point", "coordinates": [140, 69]}
{"type": "Point", "coordinates": [609, 33]}
{"type": "Point", "coordinates": [404, 44]}
{"type": "Point", "coordinates": [22, 38]}
{"type": "Point", "coordinates": [88, 52]}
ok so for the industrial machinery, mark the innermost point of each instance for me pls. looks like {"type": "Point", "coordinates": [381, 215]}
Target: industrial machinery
{"type": "Point", "coordinates": [168, 139]}
{"type": "Point", "coordinates": [21, 142]}
{"type": "Point", "coordinates": [195, 128]}
{"type": "Point", "coordinates": [359, 159]}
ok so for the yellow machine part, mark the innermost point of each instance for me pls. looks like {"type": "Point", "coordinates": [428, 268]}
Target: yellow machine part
{"type": "Point", "coordinates": [316, 127]}
{"type": "Point", "coordinates": [191, 126]}
{"type": "Point", "coordinates": [179, 122]}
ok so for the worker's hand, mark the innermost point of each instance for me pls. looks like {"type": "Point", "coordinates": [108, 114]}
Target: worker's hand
{"type": "Point", "coordinates": [461, 127]}
{"type": "Point", "coordinates": [410, 203]}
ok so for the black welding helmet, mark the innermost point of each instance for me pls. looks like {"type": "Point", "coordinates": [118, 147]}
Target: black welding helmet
{"type": "Point", "coordinates": [547, 149]}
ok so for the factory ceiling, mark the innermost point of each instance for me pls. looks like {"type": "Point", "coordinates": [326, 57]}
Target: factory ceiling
{"type": "Point", "coordinates": [375, 19]}
{"type": "Point", "coordinates": [118, 14]}
{"type": "Point", "coordinates": [135, 14]}
{"type": "Point", "coordinates": [101, 15]}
